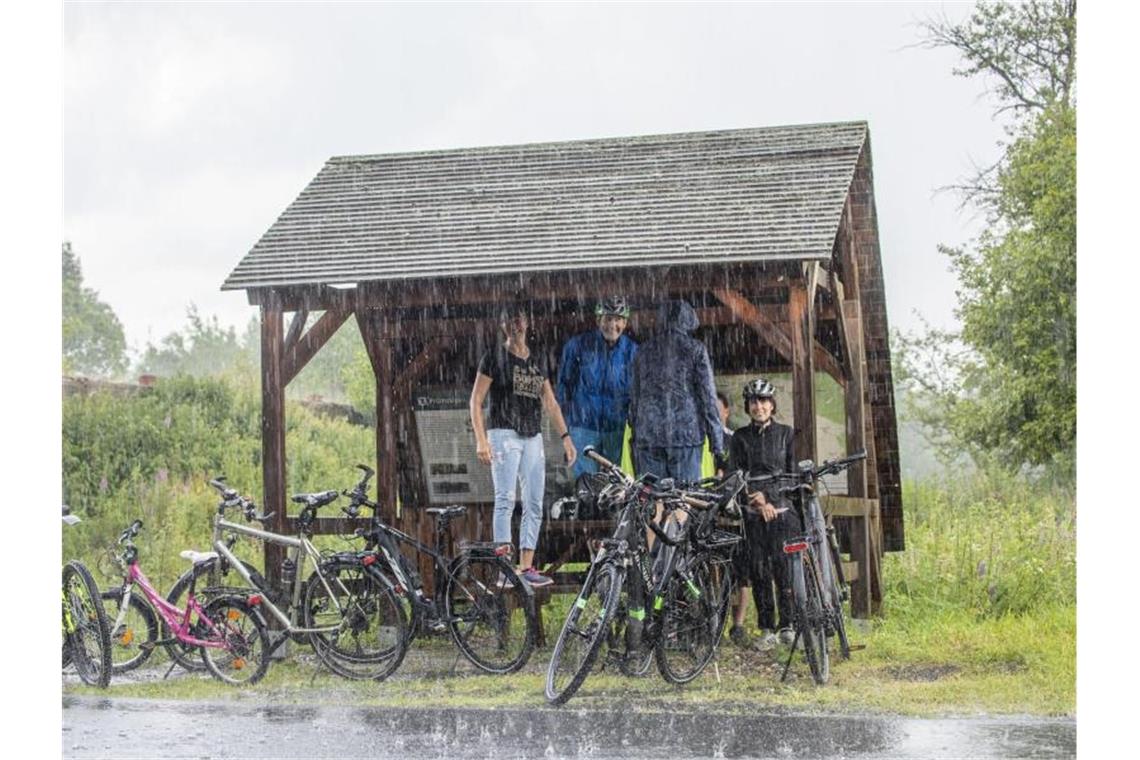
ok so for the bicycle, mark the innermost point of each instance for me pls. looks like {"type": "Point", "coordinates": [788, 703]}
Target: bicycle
{"type": "Point", "coordinates": [689, 599]}
{"type": "Point", "coordinates": [818, 589]}
{"type": "Point", "coordinates": [86, 641]}
{"type": "Point", "coordinates": [692, 584]}
{"type": "Point", "coordinates": [228, 630]}
{"type": "Point", "coordinates": [352, 618]}
{"type": "Point", "coordinates": [476, 593]}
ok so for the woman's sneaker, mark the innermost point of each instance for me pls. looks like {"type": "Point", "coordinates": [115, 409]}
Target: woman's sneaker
{"type": "Point", "coordinates": [738, 636]}
{"type": "Point", "coordinates": [535, 578]}
{"type": "Point", "coordinates": [786, 636]}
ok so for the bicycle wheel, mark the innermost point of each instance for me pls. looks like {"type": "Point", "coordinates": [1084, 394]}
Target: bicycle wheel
{"type": "Point", "coordinates": [691, 623]}
{"type": "Point", "coordinates": [204, 575]}
{"type": "Point", "coordinates": [493, 624]}
{"type": "Point", "coordinates": [809, 619]}
{"type": "Point", "coordinates": [836, 595]}
{"type": "Point", "coordinates": [582, 633]}
{"type": "Point", "coordinates": [132, 640]}
{"type": "Point", "coordinates": [238, 626]}
{"type": "Point", "coordinates": [366, 634]}
{"type": "Point", "coordinates": [85, 626]}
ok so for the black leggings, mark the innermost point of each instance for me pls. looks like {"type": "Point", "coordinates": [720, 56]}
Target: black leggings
{"type": "Point", "coordinates": [768, 565]}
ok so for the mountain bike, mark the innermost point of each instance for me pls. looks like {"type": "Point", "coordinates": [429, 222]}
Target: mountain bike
{"type": "Point", "coordinates": [818, 590]}
{"type": "Point", "coordinates": [692, 583]}
{"type": "Point", "coordinates": [228, 630]}
{"type": "Point", "coordinates": [479, 597]}
{"type": "Point", "coordinates": [353, 619]}
{"type": "Point", "coordinates": [86, 641]}
{"type": "Point", "coordinates": [689, 597]}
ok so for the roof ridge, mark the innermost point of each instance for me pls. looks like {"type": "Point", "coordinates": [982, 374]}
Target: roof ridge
{"type": "Point", "coordinates": [344, 158]}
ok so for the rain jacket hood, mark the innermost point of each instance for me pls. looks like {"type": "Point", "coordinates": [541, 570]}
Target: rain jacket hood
{"type": "Point", "coordinates": [677, 316]}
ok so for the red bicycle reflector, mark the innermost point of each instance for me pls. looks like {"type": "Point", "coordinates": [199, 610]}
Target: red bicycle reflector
{"type": "Point", "coordinates": [254, 600]}
{"type": "Point", "coordinates": [368, 559]}
{"type": "Point", "coordinates": [504, 549]}
{"type": "Point", "coordinates": [796, 547]}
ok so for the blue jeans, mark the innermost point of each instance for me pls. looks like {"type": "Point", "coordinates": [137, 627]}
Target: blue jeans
{"type": "Point", "coordinates": [608, 445]}
{"type": "Point", "coordinates": [677, 462]}
{"type": "Point", "coordinates": [514, 458]}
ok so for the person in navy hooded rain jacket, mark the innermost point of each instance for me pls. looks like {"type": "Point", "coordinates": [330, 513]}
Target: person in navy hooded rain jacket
{"type": "Point", "coordinates": [593, 384]}
{"type": "Point", "coordinates": [672, 401]}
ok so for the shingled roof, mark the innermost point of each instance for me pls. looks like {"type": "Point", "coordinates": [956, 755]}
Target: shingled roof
{"type": "Point", "coordinates": [692, 198]}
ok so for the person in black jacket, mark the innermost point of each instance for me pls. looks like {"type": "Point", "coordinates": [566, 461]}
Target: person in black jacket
{"type": "Point", "coordinates": [764, 447]}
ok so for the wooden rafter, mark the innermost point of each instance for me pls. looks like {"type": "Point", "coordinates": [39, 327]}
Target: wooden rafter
{"type": "Point", "coordinates": [303, 348]}
{"type": "Point", "coordinates": [747, 312]}
{"type": "Point", "coordinates": [296, 326]}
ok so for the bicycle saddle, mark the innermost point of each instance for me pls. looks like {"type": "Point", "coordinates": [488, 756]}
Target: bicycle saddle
{"type": "Point", "coordinates": [446, 513]}
{"type": "Point", "coordinates": [316, 499]}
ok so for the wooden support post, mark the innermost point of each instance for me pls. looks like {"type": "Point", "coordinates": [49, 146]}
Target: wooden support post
{"type": "Point", "coordinates": [801, 325]}
{"type": "Point", "coordinates": [374, 330]}
{"type": "Point", "coordinates": [273, 429]}
{"type": "Point", "coordinates": [866, 592]}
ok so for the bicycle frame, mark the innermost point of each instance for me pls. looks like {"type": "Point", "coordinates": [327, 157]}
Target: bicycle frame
{"type": "Point", "coordinates": [297, 544]}
{"type": "Point", "coordinates": [177, 619]}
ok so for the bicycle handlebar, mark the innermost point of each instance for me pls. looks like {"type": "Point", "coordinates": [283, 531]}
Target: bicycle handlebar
{"type": "Point", "coordinates": [809, 473]}
{"type": "Point", "coordinates": [231, 499]}
{"type": "Point", "coordinates": [131, 531]}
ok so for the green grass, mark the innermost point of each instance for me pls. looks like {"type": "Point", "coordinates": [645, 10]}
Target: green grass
{"type": "Point", "coordinates": [956, 666]}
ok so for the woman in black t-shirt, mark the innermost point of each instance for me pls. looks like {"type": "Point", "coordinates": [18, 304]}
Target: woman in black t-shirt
{"type": "Point", "coordinates": [518, 384]}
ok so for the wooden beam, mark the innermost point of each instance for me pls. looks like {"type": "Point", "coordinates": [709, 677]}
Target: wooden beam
{"type": "Point", "coordinates": [854, 400]}
{"type": "Point", "coordinates": [828, 363]}
{"type": "Point", "coordinates": [305, 348]}
{"type": "Point", "coordinates": [423, 361]}
{"type": "Point", "coordinates": [273, 430]}
{"type": "Point", "coordinates": [296, 326]}
{"type": "Point", "coordinates": [802, 323]}
{"type": "Point", "coordinates": [747, 312]}
{"type": "Point", "coordinates": [375, 332]}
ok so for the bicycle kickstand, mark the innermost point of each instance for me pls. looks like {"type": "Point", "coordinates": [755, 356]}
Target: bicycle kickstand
{"type": "Point", "coordinates": [791, 654]}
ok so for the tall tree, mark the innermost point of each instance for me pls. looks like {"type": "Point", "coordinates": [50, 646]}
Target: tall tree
{"type": "Point", "coordinates": [1004, 387]}
{"type": "Point", "coordinates": [93, 341]}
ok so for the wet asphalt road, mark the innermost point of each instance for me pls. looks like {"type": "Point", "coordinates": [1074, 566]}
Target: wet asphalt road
{"type": "Point", "coordinates": [95, 727]}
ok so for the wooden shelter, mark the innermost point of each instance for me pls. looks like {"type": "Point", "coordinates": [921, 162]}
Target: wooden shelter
{"type": "Point", "coordinates": [770, 233]}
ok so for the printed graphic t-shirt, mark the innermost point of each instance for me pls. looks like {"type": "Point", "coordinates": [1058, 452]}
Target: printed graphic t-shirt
{"type": "Point", "coordinates": [516, 390]}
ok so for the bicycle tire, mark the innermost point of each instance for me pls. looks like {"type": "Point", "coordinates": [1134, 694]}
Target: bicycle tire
{"type": "Point", "coordinates": [373, 637]}
{"type": "Point", "coordinates": [690, 624]}
{"type": "Point", "coordinates": [233, 619]}
{"type": "Point", "coordinates": [482, 616]}
{"type": "Point", "coordinates": [809, 620]}
{"type": "Point", "coordinates": [89, 641]}
{"type": "Point", "coordinates": [187, 656]}
{"type": "Point", "coordinates": [132, 642]}
{"type": "Point", "coordinates": [837, 621]}
{"type": "Point", "coordinates": [598, 598]}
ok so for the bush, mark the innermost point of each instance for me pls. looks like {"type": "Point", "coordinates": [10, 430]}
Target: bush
{"type": "Point", "coordinates": [150, 455]}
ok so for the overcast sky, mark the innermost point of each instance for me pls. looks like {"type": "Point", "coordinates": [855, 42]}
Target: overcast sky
{"type": "Point", "coordinates": [189, 128]}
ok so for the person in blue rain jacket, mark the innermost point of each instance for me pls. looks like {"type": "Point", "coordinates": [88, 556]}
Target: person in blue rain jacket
{"type": "Point", "coordinates": [593, 384]}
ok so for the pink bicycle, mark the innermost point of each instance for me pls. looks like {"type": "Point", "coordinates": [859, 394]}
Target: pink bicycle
{"type": "Point", "coordinates": [229, 631]}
